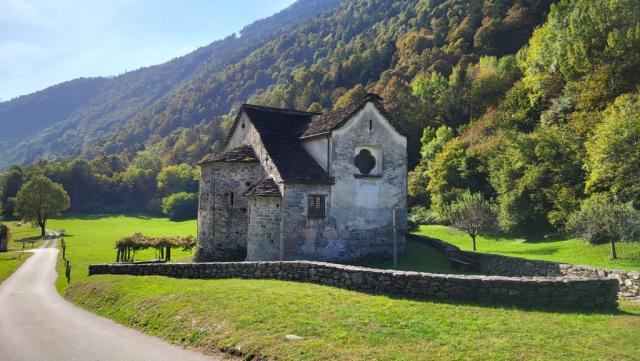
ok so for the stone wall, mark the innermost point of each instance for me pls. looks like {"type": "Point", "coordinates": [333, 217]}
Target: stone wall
{"type": "Point", "coordinates": [594, 292]}
{"type": "Point", "coordinates": [493, 264]}
{"type": "Point", "coordinates": [222, 210]}
{"type": "Point", "coordinates": [263, 238]}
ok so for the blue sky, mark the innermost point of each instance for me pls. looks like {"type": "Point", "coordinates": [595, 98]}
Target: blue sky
{"type": "Point", "coordinates": [45, 42]}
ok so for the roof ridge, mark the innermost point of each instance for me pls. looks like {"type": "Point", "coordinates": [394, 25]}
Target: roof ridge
{"type": "Point", "coordinates": [280, 110]}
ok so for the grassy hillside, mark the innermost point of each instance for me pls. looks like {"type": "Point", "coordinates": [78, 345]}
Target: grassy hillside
{"type": "Point", "coordinates": [254, 316]}
{"type": "Point", "coordinates": [558, 249]}
{"type": "Point", "coordinates": [91, 239]}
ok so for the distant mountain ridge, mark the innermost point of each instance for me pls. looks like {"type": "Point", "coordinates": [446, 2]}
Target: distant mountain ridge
{"type": "Point", "coordinates": [305, 57]}
{"type": "Point", "coordinates": [66, 119]}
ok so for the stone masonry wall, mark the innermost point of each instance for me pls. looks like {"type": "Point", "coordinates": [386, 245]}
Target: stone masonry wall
{"type": "Point", "coordinates": [594, 292]}
{"type": "Point", "coordinates": [263, 237]}
{"type": "Point", "coordinates": [493, 264]}
{"type": "Point", "coordinates": [222, 210]}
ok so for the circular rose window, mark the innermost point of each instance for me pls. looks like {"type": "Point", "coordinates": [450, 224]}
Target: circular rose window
{"type": "Point", "coordinates": [365, 161]}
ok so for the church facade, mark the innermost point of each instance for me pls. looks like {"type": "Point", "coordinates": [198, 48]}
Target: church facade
{"type": "Point", "coordinates": [293, 185]}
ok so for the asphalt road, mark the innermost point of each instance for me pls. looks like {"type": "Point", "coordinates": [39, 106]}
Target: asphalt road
{"type": "Point", "coordinates": [36, 323]}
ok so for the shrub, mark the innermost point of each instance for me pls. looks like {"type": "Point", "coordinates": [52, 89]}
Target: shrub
{"type": "Point", "coordinates": [601, 219]}
{"type": "Point", "coordinates": [180, 206]}
{"type": "Point", "coordinates": [422, 215]}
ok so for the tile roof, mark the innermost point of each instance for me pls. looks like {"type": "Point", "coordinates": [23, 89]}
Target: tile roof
{"type": "Point", "coordinates": [325, 123]}
{"type": "Point", "coordinates": [241, 154]}
{"type": "Point", "coordinates": [280, 132]}
{"type": "Point", "coordinates": [265, 188]}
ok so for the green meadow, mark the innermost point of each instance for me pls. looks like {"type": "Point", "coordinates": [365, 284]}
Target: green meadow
{"type": "Point", "coordinates": [254, 316]}
{"type": "Point", "coordinates": [556, 249]}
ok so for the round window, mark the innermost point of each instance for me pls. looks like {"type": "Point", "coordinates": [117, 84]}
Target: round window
{"type": "Point", "coordinates": [365, 161]}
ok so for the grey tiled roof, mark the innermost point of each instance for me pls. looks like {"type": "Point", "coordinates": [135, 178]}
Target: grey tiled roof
{"type": "Point", "coordinates": [241, 154]}
{"type": "Point", "coordinates": [281, 131]}
{"type": "Point", "coordinates": [265, 188]}
{"type": "Point", "coordinates": [325, 123]}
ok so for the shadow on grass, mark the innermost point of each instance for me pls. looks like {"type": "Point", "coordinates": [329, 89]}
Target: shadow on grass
{"type": "Point", "coordinates": [540, 252]}
{"type": "Point", "coordinates": [525, 308]}
{"type": "Point", "coordinates": [31, 240]}
{"type": "Point", "coordinates": [94, 217]}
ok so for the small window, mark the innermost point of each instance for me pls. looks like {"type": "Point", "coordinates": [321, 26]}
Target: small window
{"type": "Point", "coordinates": [230, 199]}
{"type": "Point", "coordinates": [316, 206]}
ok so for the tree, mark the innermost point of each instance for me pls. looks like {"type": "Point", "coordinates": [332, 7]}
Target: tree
{"type": "Point", "coordinates": [10, 183]}
{"type": "Point", "coordinates": [180, 206]}
{"type": "Point", "coordinates": [601, 219]}
{"type": "Point", "coordinates": [616, 146]}
{"type": "Point", "coordinates": [178, 178]}
{"type": "Point", "coordinates": [471, 213]}
{"type": "Point", "coordinates": [352, 97]}
{"type": "Point", "coordinates": [40, 199]}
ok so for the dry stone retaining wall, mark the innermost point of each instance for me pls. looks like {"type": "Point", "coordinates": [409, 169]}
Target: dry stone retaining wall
{"type": "Point", "coordinates": [493, 264]}
{"type": "Point", "coordinates": [592, 292]}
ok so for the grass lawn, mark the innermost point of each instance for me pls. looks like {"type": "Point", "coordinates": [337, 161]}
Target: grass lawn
{"type": "Point", "coordinates": [253, 316]}
{"type": "Point", "coordinates": [18, 232]}
{"type": "Point", "coordinates": [416, 257]}
{"type": "Point", "coordinates": [92, 239]}
{"type": "Point", "coordinates": [558, 250]}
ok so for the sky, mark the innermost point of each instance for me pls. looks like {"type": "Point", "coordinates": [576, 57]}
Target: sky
{"type": "Point", "coordinates": [45, 42]}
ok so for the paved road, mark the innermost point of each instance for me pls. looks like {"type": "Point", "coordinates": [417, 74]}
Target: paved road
{"type": "Point", "coordinates": [38, 324]}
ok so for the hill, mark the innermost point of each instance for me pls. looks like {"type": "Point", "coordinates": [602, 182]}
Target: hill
{"type": "Point", "coordinates": [308, 55]}
{"type": "Point", "coordinates": [84, 116]}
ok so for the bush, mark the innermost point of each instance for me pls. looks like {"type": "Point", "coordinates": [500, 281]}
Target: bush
{"type": "Point", "coordinates": [422, 215]}
{"type": "Point", "coordinates": [180, 206]}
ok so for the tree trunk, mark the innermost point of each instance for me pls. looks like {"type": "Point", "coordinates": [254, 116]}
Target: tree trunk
{"type": "Point", "coordinates": [613, 250]}
{"type": "Point", "coordinates": [168, 254]}
{"type": "Point", "coordinates": [473, 239]}
{"type": "Point", "coordinates": [43, 230]}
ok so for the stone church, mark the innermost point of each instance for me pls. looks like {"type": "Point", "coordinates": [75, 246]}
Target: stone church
{"type": "Point", "coordinates": [294, 185]}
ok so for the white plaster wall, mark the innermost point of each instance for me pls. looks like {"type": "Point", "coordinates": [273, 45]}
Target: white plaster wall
{"type": "Point", "coordinates": [318, 148]}
{"type": "Point", "coordinates": [368, 203]}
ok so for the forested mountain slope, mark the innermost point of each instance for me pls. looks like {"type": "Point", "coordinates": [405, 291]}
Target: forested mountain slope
{"type": "Point", "coordinates": [534, 104]}
{"type": "Point", "coordinates": [379, 44]}
{"type": "Point", "coordinates": [87, 116]}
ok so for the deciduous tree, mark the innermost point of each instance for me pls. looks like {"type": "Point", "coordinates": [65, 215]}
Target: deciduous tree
{"type": "Point", "coordinates": [471, 213]}
{"type": "Point", "coordinates": [40, 199]}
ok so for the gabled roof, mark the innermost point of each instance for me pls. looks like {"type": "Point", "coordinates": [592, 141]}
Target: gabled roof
{"type": "Point", "coordinates": [241, 154]}
{"type": "Point", "coordinates": [276, 119]}
{"type": "Point", "coordinates": [265, 188]}
{"type": "Point", "coordinates": [280, 132]}
{"type": "Point", "coordinates": [322, 124]}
